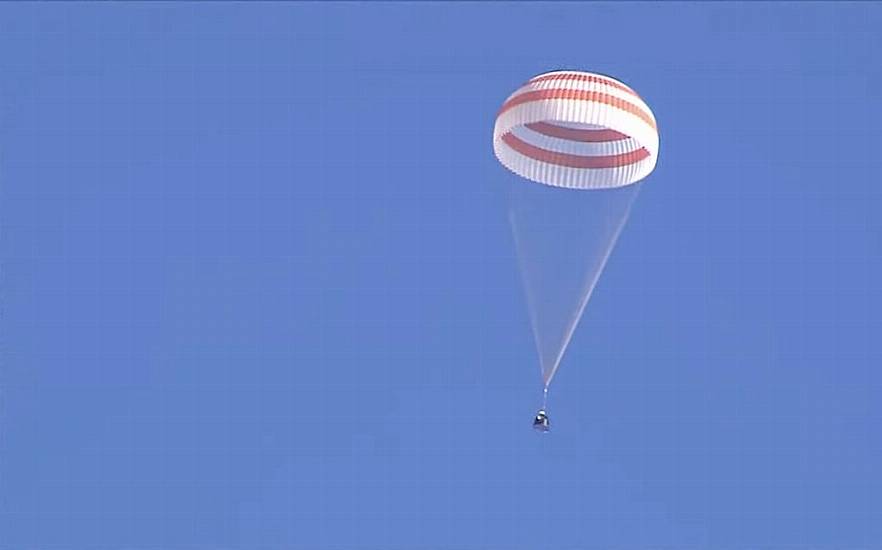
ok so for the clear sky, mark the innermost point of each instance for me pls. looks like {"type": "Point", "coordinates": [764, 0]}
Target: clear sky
{"type": "Point", "coordinates": [259, 291]}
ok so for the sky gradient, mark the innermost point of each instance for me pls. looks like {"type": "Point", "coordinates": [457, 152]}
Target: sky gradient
{"type": "Point", "coordinates": [259, 290]}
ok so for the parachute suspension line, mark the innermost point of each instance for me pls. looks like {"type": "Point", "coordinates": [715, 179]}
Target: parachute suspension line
{"type": "Point", "coordinates": [544, 398]}
{"type": "Point", "coordinates": [589, 286]}
{"type": "Point", "coordinates": [531, 304]}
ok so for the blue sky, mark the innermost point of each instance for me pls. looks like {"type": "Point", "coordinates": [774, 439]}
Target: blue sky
{"type": "Point", "coordinates": [259, 291]}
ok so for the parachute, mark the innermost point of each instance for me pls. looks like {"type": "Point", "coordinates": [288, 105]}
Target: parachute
{"type": "Point", "coordinates": [587, 139]}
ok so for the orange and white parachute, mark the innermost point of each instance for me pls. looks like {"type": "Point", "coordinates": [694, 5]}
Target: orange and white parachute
{"type": "Point", "coordinates": [572, 131]}
{"type": "Point", "coordinates": [577, 130]}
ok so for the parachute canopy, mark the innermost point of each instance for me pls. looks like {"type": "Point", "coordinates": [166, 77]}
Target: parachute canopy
{"type": "Point", "coordinates": [577, 130]}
